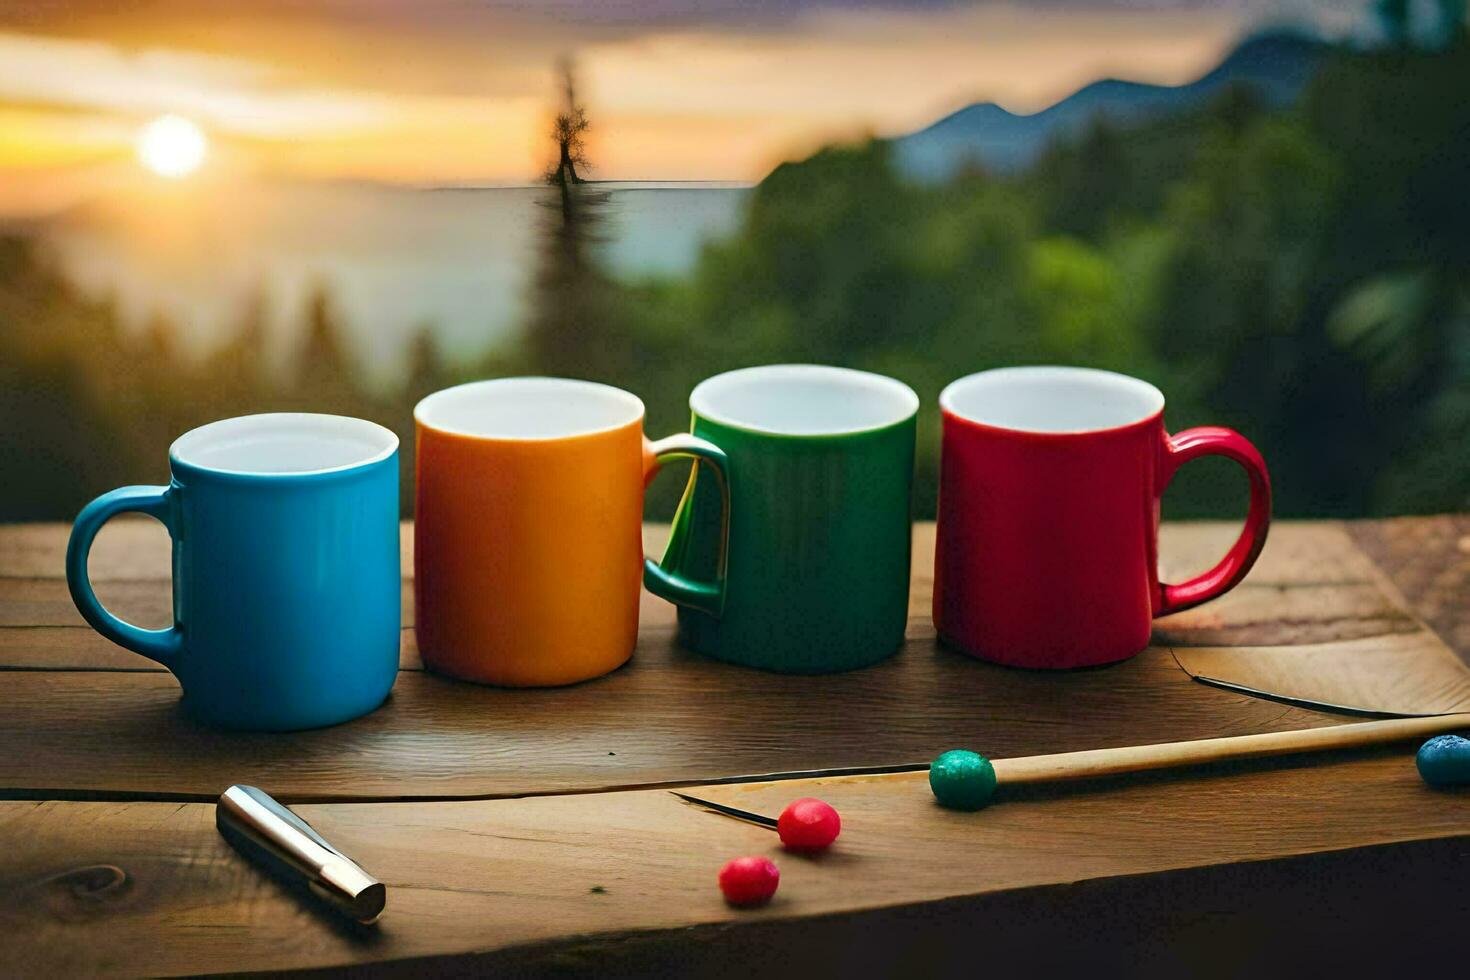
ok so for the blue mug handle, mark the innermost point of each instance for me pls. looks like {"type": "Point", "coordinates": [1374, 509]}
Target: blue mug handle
{"type": "Point", "coordinates": [160, 645]}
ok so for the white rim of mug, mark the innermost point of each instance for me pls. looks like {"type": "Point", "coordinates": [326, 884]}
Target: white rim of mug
{"type": "Point", "coordinates": [571, 384]}
{"type": "Point", "coordinates": [699, 397]}
{"type": "Point", "coordinates": [955, 387]}
{"type": "Point", "coordinates": [388, 437]}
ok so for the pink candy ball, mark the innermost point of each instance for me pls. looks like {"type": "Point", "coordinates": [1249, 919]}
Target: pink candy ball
{"type": "Point", "coordinates": [808, 825]}
{"type": "Point", "coordinates": [749, 880]}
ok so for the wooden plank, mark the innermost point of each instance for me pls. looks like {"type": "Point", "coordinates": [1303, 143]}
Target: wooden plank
{"type": "Point", "coordinates": [1252, 615]}
{"type": "Point", "coordinates": [1366, 919]}
{"type": "Point", "coordinates": [1255, 614]}
{"type": "Point", "coordinates": [82, 648]}
{"type": "Point", "coordinates": [66, 648]}
{"type": "Point", "coordinates": [666, 717]}
{"type": "Point", "coordinates": [120, 732]}
{"type": "Point", "coordinates": [1427, 561]}
{"type": "Point", "coordinates": [1411, 674]}
{"type": "Point", "coordinates": [30, 602]}
{"type": "Point", "coordinates": [132, 548]}
{"type": "Point", "coordinates": [1298, 551]}
{"type": "Point", "coordinates": [1311, 586]}
{"type": "Point", "coordinates": [150, 887]}
{"type": "Point", "coordinates": [127, 548]}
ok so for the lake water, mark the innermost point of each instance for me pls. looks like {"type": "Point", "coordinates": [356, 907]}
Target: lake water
{"type": "Point", "coordinates": [456, 262]}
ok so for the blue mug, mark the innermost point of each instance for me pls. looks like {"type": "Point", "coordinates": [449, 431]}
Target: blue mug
{"type": "Point", "coordinates": [285, 569]}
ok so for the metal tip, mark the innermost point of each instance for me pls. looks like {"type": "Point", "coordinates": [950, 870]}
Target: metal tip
{"type": "Point", "coordinates": [760, 820]}
{"type": "Point", "coordinates": [265, 831]}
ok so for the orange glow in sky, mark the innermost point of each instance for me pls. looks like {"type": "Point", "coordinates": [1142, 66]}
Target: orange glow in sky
{"type": "Point", "coordinates": [286, 93]}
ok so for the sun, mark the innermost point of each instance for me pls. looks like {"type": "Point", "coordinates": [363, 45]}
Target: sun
{"type": "Point", "coordinates": [172, 146]}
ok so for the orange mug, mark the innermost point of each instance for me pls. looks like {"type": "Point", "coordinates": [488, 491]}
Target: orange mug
{"type": "Point", "coordinates": [528, 529]}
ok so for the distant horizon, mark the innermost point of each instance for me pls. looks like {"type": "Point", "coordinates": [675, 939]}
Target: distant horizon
{"type": "Point", "coordinates": [21, 223]}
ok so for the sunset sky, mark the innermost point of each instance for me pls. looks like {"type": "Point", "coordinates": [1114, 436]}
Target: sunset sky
{"type": "Point", "coordinates": [459, 91]}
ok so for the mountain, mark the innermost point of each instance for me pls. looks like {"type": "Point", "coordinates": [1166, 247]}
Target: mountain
{"type": "Point", "coordinates": [1276, 66]}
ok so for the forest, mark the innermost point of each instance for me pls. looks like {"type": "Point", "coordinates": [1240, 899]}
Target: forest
{"type": "Point", "coordinates": [1300, 274]}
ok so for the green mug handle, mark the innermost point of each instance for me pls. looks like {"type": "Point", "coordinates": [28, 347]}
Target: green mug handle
{"type": "Point", "coordinates": [707, 597]}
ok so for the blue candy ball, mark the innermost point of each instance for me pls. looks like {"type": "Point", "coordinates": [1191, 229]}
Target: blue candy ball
{"type": "Point", "coordinates": [962, 780]}
{"type": "Point", "coordinates": [1445, 761]}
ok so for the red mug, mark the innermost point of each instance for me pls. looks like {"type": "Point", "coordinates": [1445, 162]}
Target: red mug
{"type": "Point", "coordinates": [1049, 488]}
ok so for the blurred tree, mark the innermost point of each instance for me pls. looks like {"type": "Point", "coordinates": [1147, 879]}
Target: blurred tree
{"type": "Point", "coordinates": [1393, 20]}
{"type": "Point", "coordinates": [1397, 285]}
{"type": "Point", "coordinates": [425, 366]}
{"type": "Point", "coordinates": [576, 326]}
{"type": "Point", "coordinates": [60, 441]}
{"type": "Point", "coordinates": [568, 130]}
{"type": "Point", "coordinates": [1239, 312]}
{"type": "Point", "coordinates": [1077, 294]}
{"type": "Point", "coordinates": [324, 376]}
{"type": "Point", "coordinates": [822, 268]}
{"type": "Point", "coordinates": [1433, 24]}
{"type": "Point", "coordinates": [1087, 185]}
{"type": "Point", "coordinates": [245, 353]}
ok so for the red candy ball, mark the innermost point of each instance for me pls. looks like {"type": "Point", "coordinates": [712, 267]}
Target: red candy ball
{"type": "Point", "coordinates": [808, 825]}
{"type": "Point", "coordinates": [749, 880]}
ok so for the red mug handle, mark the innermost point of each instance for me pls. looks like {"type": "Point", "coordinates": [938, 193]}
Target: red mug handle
{"type": "Point", "coordinates": [1214, 441]}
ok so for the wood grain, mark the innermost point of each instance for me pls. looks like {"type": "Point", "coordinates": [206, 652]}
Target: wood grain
{"type": "Point", "coordinates": [132, 548]}
{"type": "Point", "coordinates": [136, 548]}
{"type": "Point", "coordinates": [45, 602]}
{"type": "Point", "coordinates": [1312, 585]}
{"type": "Point", "coordinates": [666, 717]}
{"type": "Point", "coordinates": [1427, 562]}
{"type": "Point", "coordinates": [110, 888]}
{"type": "Point", "coordinates": [128, 547]}
{"type": "Point", "coordinates": [1340, 913]}
{"type": "Point", "coordinates": [1401, 674]}
{"type": "Point", "coordinates": [30, 602]}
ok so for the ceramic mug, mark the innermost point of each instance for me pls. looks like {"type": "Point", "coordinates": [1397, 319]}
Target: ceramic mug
{"type": "Point", "coordinates": [1050, 482]}
{"type": "Point", "coordinates": [286, 576]}
{"type": "Point", "coordinates": [528, 529]}
{"type": "Point", "coordinates": [821, 464]}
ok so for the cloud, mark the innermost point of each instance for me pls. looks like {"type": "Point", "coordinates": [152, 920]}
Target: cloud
{"type": "Point", "coordinates": [573, 20]}
{"type": "Point", "coordinates": [890, 71]}
{"type": "Point", "coordinates": [505, 47]}
{"type": "Point", "coordinates": [235, 94]}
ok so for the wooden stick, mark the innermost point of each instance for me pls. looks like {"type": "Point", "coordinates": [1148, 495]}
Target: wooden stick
{"type": "Point", "coordinates": [1092, 763]}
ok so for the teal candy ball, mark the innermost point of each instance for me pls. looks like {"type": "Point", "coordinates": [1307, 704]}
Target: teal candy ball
{"type": "Point", "coordinates": [962, 780]}
{"type": "Point", "coordinates": [1445, 761]}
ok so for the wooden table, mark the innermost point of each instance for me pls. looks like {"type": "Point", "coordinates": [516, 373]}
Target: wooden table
{"type": "Point", "coordinates": [532, 831]}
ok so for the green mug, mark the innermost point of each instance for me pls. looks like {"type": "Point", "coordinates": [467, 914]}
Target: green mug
{"type": "Point", "coordinates": [820, 469]}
